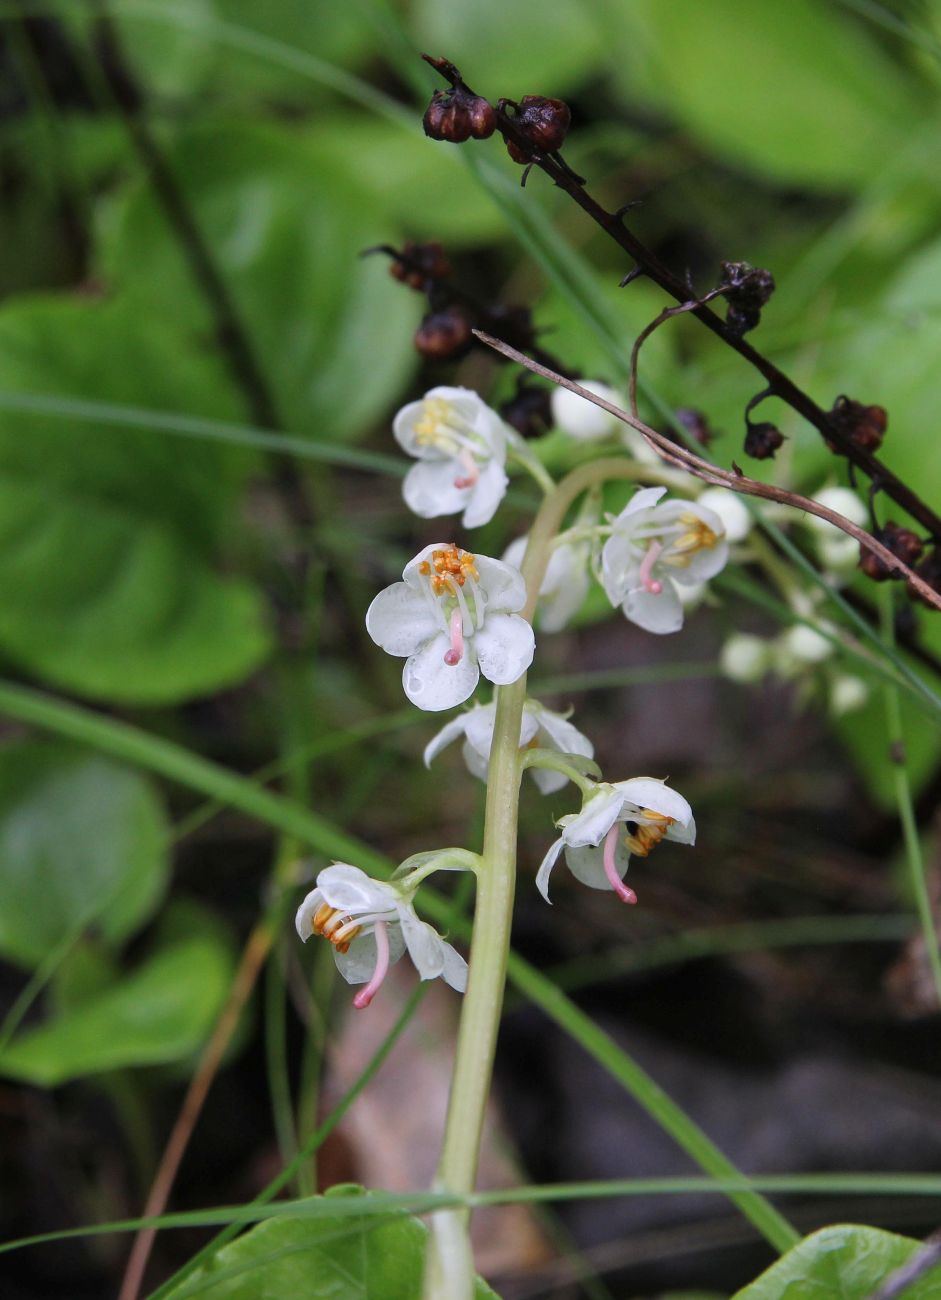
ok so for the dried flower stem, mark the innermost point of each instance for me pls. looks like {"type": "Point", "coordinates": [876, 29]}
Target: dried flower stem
{"type": "Point", "coordinates": [735, 482]}
{"type": "Point", "coordinates": [650, 265]}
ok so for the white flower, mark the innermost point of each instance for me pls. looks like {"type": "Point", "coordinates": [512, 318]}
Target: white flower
{"type": "Point", "coordinates": [565, 584]}
{"type": "Point", "coordinates": [460, 444]}
{"type": "Point", "coordinates": [580, 418]}
{"type": "Point", "coordinates": [801, 645]}
{"type": "Point", "coordinates": [596, 849]}
{"type": "Point", "coordinates": [837, 550]}
{"type": "Point", "coordinates": [847, 693]}
{"type": "Point", "coordinates": [745, 658]}
{"type": "Point", "coordinates": [736, 518]}
{"type": "Point", "coordinates": [540, 727]}
{"type": "Point", "coordinates": [371, 923]}
{"type": "Point", "coordinates": [654, 547]}
{"type": "Point", "coordinates": [454, 617]}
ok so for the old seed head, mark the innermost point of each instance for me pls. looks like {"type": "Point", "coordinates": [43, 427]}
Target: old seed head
{"type": "Point", "coordinates": [762, 440]}
{"type": "Point", "coordinates": [456, 115]}
{"type": "Point", "coordinates": [445, 335]}
{"type": "Point", "coordinates": [864, 425]}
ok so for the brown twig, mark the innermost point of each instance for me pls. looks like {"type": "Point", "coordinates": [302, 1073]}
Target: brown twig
{"type": "Point", "coordinates": [651, 266]}
{"type": "Point", "coordinates": [254, 956]}
{"type": "Point", "coordinates": [709, 473]}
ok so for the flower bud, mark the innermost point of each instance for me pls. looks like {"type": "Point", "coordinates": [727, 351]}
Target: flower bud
{"type": "Point", "coordinates": [762, 440]}
{"type": "Point", "coordinates": [580, 418]}
{"type": "Point", "coordinates": [847, 693]}
{"type": "Point", "coordinates": [745, 658]}
{"type": "Point", "coordinates": [806, 645]}
{"type": "Point", "coordinates": [445, 335]}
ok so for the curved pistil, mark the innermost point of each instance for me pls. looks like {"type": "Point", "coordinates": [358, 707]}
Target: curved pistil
{"type": "Point", "coordinates": [625, 894]}
{"type": "Point", "coordinates": [366, 995]}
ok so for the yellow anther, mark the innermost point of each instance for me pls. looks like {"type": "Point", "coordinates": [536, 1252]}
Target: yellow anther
{"type": "Point", "coordinates": [434, 420]}
{"type": "Point", "coordinates": [328, 920]}
{"type": "Point", "coordinates": [645, 835]}
{"type": "Point", "coordinates": [449, 568]}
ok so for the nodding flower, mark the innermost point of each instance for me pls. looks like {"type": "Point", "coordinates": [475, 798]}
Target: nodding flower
{"type": "Point", "coordinates": [617, 820]}
{"type": "Point", "coordinates": [460, 445]}
{"type": "Point", "coordinates": [652, 549]}
{"type": "Point", "coordinates": [539, 728]}
{"type": "Point", "coordinates": [454, 617]}
{"type": "Point", "coordinates": [371, 923]}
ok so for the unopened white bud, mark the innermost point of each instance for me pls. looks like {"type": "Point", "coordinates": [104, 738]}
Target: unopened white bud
{"type": "Point", "coordinates": [806, 645]}
{"type": "Point", "coordinates": [731, 510]}
{"type": "Point", "coordinates": [745, 658]}
{"type": "Point", "coordinates": [580, 418]}
{"type": "Point", "coordinates": [847, 693]}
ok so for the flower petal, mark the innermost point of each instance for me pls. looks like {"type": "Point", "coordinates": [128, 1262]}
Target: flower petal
{"type": "Point", "coordinates": [486, 494]}
{"type": "Point", "coordinates": [587, 863]}
{"type": "Point", "coordinates": [454, 970]}
{"type": "Point", "coordinates": [599, 813]}
{"type": "Point", "coordinates": [432, 684]}
{"type": "Point", "coordinates": [649, 792]}
{"type": "Point", "coordinates": [349, 889]}
{"type": "Point", "coordinates": [477, 764]}
{"type": "Point", "coordinates": [503, 585]}
{"type": "Point", "coordinates": [564, 587]}
{"type": "Point", "coordinates": [429, 489]}
{"type": "Point", "coordinates": [358, 963]}
{"type": "Point", "coordinates": [448, 733]}
{"type": "Point", "coordinates": [480, 724]}
{"type": "Point", "coordinates": [304, 919]}
{"type": "Point", "coordinates": [661, 613]}
{"type": "Point", "coordinates": [401, 620]}
{"type": "Point", "coordinates": [505, 648]}
{"type": "Point", "coordinates": [424, 944]}
{"type": "Point", "coordinates": [561, 734]}
{"type": "Point", "coordinates": [545, 869]}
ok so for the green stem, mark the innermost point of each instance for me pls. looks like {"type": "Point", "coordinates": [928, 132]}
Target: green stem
{"type": "Point", "coordinates": [905, 803]}
{"type": "Point", "coordinates": [449, 1270]}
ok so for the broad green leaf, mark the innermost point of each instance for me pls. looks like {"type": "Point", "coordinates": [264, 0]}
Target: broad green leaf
{"type": "Point", "coordinates": [846, 1262]}
{"type": "Point", "coordinates": [114, 541]}
{"type": "Point", "coordinates": [332, 330]}
{"type": "Point", "coordinates": [511, 49]}
{"type": "Point", "coordinates": [159, 1013]}
{"type": "Point", "coordinates": [797, 91]}
{"type": "Point", "coordinates": [81, 841]}
{"type": "Point", "coordinates": [320, 1259]}
{"type": "Point", "coordinates": [428, 192]}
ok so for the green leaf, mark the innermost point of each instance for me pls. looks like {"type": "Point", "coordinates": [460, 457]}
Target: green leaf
{"type": "Point", "coordinates": [332, 330]}
{"type": "Point", "coordinates": [160, 1013]}
{"type": "Point", "coordinates": [82, 840]}
{"type": "Point", "coordinates": [320, 1259]}
{"type": "Point", "coordinates": [793, 91]}
{"type": "Point", "coordinates": [839, 1263]}
{"type": "Point", "coordinates": [511, 49]}
{"type": "Point", "coordinates": [112, 542]}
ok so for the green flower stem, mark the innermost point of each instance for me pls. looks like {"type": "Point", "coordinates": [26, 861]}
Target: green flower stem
{"type": "Point", "coordinates": [449, 1270]}
{"type": "Point", "coordinates": [554, 762]}
{"type": "Point", "coordinates": [905, 803]}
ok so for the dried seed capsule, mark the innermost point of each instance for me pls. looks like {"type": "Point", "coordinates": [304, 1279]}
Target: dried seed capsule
{"type": "Point", "coordinates": [696, 425]}
{"type": "Point", "coordinates": [864, 425]}
{"type": "Point", "coordinates": [529, 410]}
{"type": "Point", "coordinates": [748, 289]}
{"type": "Point", "coordinates": [445, 335]}
{"type": "Point", "coordinates": [455, 115]}
{"type": "Point", "coordinates": [902, 542]}
{"type": "Point", "coordinates": [545, 121]}
{"type": "Point", "coordinates": [762, 440]}
{"type": "Point", "coordinates": [419, 264]}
